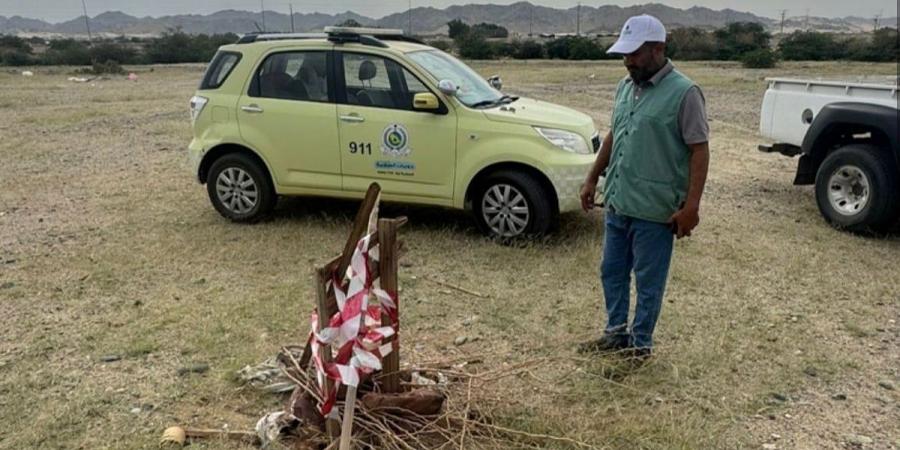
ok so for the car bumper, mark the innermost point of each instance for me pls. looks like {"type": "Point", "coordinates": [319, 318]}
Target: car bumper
{"type": "Point", "coordinates": [195, 156]}
{"type": "Point", "coordinates": [567, 181]}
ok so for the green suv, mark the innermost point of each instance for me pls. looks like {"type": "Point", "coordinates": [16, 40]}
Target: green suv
{"type": "Point", "coordinates": [327, 114]}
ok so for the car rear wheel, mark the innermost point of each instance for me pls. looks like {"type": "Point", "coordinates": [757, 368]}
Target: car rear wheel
{"type": "Point", "coordinates": [511, 205]}
{"type": "Point", "coordinates": [239, 188]}
{"type": "Point", "coordinates": [857, 189]}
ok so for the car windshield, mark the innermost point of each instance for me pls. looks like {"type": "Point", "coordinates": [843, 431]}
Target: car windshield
{"type": "Point", "coordinates": [473, 90]}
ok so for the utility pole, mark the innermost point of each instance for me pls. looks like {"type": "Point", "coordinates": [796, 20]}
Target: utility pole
{"type": "Point", "coordinates": [291, 8]}
{"type": "Point", "coordinates": [877, 16]}
{"type": "Point", "coordinates": [531, 22]}
{"type": "Point", "coordinates": [783, 12]}
{"type": "Point", "coordinates": [578, 20]}
{"type": "Point", "coordinates": [87, 22]}
{"type": "Point", "coordinates": [262, 9]}
{"type": "Point", "coordinates": [409, 19]}
{"type": "Point", "coordinates": [806, 24]}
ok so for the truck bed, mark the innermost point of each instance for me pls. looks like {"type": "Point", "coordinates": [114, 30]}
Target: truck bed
{"type": "Point", "coordinates": [790, 105]}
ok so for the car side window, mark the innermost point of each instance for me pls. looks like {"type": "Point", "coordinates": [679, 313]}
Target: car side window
{"type": "Point", "coordinates": [292, 76]}
{"type": "Point", "coordinates": [372, 80]}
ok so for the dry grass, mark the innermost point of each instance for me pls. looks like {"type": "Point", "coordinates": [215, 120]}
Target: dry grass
{"type": "Point", "coordinates": [108, 246]}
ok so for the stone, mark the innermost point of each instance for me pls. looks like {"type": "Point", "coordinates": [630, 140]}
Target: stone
{"type": "Point", "coordinates": [7, 285]}
{"type": "Point", "coordinates": [769, 446]}
{"type": "Point", "coordinates": [136, 410]}
{"type": "Point", "coordinates": [776, 436]}
{"type": "Point", "coordinates": [460, 340]}
{"type": "Point", "coordinates": [193, 368]}
{"type": "Point", "coordinates": [110, 358]}
{"type": "Point", "coordinates": [886, 384]}
{"type": "Point", "coordinates": [839, 397]}
{"type": "Point", "coordinates": [811, 371]}
{"type": "Point", "coordinates": [779, 396]}
{"type": "Point", "coordinates": [858, 439]}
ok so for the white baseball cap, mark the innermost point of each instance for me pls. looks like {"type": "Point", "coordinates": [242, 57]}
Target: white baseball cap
{"type": "Point", "coordinates": [636, 31]}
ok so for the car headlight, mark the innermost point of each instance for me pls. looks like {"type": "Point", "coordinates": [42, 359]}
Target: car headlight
{"type": "Point", "coordinates": [565, 140]}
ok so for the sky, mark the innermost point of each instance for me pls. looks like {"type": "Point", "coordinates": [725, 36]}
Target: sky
{"type": "Point", "coordinates": [62, 10]}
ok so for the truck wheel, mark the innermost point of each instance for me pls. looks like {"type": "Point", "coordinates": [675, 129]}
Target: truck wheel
{"type": "Point", "coordinates": [857, 189]}
{"type": "Point", "coordinates": [239, 188]}
{"type": "Point", "coordinates": [510, 205]}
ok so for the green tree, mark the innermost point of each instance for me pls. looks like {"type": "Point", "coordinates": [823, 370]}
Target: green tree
{"type": "Point", "coordinates": [690, 43]}
{"type": "Point", "coordinates": [112, 51]}
{"type": "Point", "coordinates": [490, 30]}
{"type": "Point", "coordinates": [67, 52]}
{"type": "Point", "coordinates": [457, 28]}
{"type": "Point", "coordinates": [886, 45]}
{"type": "Point", "coordinates": [529, 50]}
{"type": "Point", "coordinates": [351, 23]}
{"type": "Point", "coordinates": [811, 46]}
{"type": "Point", "coordinates": [739, 38]}
{"type": "Point", "coordinates": [474, 46]}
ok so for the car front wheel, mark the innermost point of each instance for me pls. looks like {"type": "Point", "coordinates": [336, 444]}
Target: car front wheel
{"type": "Point", "coordinates": [857, 189]}
{"type": "Point", "coordinates": [239, 188]}
{"type": "Point", "coordinates": [511, 205]}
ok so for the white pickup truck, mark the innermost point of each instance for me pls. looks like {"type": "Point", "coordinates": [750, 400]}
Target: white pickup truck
{"type": "Point", "coordinates": [847, 137]}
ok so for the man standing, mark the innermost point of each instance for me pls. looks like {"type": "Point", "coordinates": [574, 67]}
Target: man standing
{"type": "Point", "coordinates": [656, 158]}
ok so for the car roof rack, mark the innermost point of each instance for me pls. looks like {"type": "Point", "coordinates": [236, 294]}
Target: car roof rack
{"type": "Point", "coordinates": [339, 35]}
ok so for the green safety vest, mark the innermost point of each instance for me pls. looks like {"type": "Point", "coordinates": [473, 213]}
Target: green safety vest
{"type": "Point", "coordinates": [648, 173]}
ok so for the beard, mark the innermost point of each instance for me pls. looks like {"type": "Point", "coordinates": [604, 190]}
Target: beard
{"type": "Point", "coordinates": [639, 75]}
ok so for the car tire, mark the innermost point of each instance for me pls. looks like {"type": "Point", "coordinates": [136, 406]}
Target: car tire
{"type": "Point", "coordinates": [240, 189]}
{"type": "Point", "coordinates": [857, 189]}
{"type": "Point", "coordinates": [510, 205]}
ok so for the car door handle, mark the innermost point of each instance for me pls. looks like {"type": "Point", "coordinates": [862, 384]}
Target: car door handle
{"type": "Point", "coordinates": [356, 118]}
{"type": "Point", "coordinates": [252, 108]}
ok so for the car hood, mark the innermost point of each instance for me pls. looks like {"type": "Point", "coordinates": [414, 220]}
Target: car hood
{"type": "Point", "coordinates": [529, 111]}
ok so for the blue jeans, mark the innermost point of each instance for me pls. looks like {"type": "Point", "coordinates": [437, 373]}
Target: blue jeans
{"type": "Point", "coordinates": [646, 248]}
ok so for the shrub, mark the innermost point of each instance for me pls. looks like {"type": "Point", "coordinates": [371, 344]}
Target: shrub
{"type": "Point", "coordinates": [474, 46]}
{"type": "Point", "coordinates": [441, 44]}
{"type": "Point", "coordinates": [111, 51]}
{"type": "Point", "coordinates": [490, 30]}
{"type": "Point", "coordinates": [68, 52]}
{"type": "Point", "coordinates": [529, 50]}
{"type": "Point", "coordinates": [810, 46]}
{"type": "Point", "coordinates": [107, 67]}
{"type": "Point", "coordinates": [504, 49]}
{"type": "Point", "coordinates": [11, 57]}
{"type": "Point", "coordinates": [763, 58]}
{"type": "Point", "coordinates": [739, 38]}
{"type": "Point", "coordinates": [690, 43]}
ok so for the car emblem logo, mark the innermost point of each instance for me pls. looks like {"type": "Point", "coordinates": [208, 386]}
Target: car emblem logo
{"type": "Point", "coordinates": [395, 141]}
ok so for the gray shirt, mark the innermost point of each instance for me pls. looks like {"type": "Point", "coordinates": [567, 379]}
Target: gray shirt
{"type": "Point", "coordinates": [692, 114]}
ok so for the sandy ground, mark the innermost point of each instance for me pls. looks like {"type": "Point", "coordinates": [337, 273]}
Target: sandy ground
{"type": "Point", "coordinates": [777, 330]}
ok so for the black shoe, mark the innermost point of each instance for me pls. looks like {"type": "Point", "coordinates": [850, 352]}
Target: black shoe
{"type": "Point", "coordinates": [637, 356]}
{"type": "Point", "coordinates": [606, 344]}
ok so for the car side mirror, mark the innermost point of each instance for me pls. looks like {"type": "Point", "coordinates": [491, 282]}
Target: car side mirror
{"type": "Point", "coordinates": [425, 101]}
{"type": "Point", "coordinates": [447, 87]}
{"type": "Point", "coordinates": [496, 82]}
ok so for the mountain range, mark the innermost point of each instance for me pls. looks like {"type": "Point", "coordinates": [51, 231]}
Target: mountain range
{"type": "Point", "coordinates": [522, 17]}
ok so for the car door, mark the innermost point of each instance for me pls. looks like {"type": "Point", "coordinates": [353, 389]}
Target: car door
{"type": "Point", "coordinates": [288, 114]}
{"type": "Point", "coordinates": [410, 153]}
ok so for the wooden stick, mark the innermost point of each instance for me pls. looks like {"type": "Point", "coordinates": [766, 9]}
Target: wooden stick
{"type": "Point", "coordinates": [331, 425]}
{"type": "Point", "coordinates": [360, 226]}
{"type": "Point", "coordinates": [388, 266]}
{"type": "Point", "coordinates": [452, 286]}
{"type": "Point", "coordinates": [210, 433]}
{"type": "Point", "coordinates": [347, 425]}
